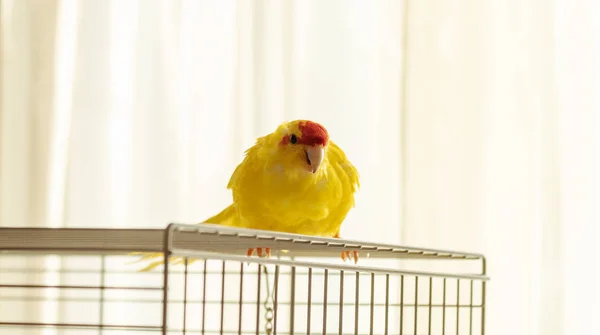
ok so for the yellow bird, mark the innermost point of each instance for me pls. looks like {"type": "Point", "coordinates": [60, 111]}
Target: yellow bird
{"type": "Point", "coordinates": [293, 180]}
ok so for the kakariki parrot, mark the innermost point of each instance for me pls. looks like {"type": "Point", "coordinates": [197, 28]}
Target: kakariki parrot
{"type": "Point", "coordinates": [293, 180]}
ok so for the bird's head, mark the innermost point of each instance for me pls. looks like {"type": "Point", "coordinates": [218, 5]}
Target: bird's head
{"type": "Point", "coordinates": [300, 144]}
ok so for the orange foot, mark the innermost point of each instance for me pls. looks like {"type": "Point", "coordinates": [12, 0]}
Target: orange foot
{"type": "Point", "coordinates": [259, 252]}
{"type": "Point", "coordinates": [346, 254]}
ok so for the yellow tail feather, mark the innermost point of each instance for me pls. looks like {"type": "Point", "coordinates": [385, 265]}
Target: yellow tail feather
{"type": "Point", "coordinates": [225, 217]}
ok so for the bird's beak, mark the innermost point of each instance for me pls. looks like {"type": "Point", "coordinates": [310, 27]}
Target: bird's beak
{"type": "Point", "coordinates": [314, 156]}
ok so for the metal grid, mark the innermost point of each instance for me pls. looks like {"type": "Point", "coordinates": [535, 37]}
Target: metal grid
{"type": "Point", "coordinates": [84, 281]}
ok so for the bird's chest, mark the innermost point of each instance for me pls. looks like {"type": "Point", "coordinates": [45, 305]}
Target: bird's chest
{"type": "Point", "coordinates": [302, 208]}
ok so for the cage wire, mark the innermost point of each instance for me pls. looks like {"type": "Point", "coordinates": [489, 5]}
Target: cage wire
{"type": "Point", "coordinates": [85, 281]}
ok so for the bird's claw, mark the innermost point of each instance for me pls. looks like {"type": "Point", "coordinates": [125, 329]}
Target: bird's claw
{"type": "Point", "coordinates": [259, 252]}
{"type": "Point", "coordinates": [346, 256]}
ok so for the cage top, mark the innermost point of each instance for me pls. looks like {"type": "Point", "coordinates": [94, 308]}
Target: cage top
{"type": "Point", "coordinates": [205, 238]}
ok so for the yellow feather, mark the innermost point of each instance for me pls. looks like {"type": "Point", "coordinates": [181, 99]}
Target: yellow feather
{"type": "Point", "coordinates": [273, 190]}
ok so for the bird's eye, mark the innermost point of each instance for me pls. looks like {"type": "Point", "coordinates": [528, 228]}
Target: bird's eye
{"type": "Point", "coordinates": [293, 139]}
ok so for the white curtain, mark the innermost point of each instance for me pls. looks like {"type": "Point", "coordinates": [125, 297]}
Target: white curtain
{"type": "Point", "coordinates": [500, 118]}
{"type": "Point", "coordinates": [471, 123]}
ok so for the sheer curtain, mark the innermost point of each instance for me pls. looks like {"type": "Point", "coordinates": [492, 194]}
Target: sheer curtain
{"type": "Point", "coordinates": [135, 113]}
{"type": "Point", "coordinates": [500, 117]}
{"type": "Point", "coordinates": [471, 123]}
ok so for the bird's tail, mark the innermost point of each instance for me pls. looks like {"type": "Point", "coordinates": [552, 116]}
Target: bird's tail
{"type": "Point", "coordinates": [226, 217]}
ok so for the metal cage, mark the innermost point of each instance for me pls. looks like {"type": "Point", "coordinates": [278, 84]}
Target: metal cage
{"type": "Point", "coordinates": [86, 281]}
